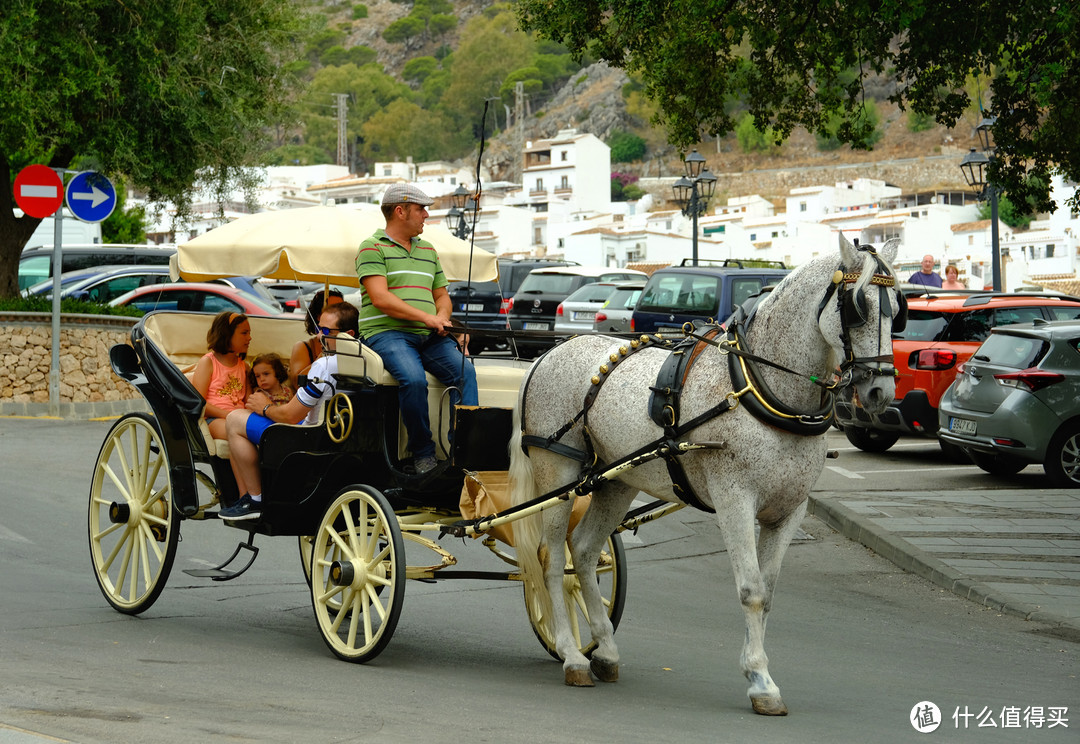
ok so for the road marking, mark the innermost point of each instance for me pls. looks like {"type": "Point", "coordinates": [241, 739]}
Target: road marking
{"type": "Point", "coordinates": [845, 472]}
{"type": "Point", "coordinates": [6, 534]}
{"type": "Point", "coordinates": [919, 470]}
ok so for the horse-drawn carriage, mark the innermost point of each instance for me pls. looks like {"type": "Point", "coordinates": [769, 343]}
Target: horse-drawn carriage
{"type": "Point", "coordinates": [729, 422]}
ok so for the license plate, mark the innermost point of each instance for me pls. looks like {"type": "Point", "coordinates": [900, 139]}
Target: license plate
{"type": "Point", "coordinates": [669, 329]}
{"type": "Point", "coordinates": [536, 326]}
{"type": "Point", "coordinates": [472, 307]}
{"type": "Point", "coordinates": [962, 426]}
{"type": "Point", "coordinates": [584, 316]}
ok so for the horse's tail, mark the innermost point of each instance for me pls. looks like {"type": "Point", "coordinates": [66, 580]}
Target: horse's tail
{"type": "Point", "coordinates": [528, 531]}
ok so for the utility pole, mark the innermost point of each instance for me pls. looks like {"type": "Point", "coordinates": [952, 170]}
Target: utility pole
{"type": "Point", "coordinates": [340, 106]}
{"type": "Point", "coordinates": [519, 134]}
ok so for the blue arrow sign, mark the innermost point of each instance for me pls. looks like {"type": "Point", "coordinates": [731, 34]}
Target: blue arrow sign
{"type": "Point", "coordinates": [91, 196]}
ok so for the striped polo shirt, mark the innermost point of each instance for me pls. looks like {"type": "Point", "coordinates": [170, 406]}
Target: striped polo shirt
{"type": "Point", "coordinates": [411, 274]}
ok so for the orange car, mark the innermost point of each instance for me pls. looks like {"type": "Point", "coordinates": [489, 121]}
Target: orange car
{"type": "Point", "coordinates": [944, 329]}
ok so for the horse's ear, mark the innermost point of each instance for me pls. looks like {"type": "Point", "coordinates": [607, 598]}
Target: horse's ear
{"type": "Point", "coordinates": [848, 253]}
{"type": "Point", "coordinates": [889, 250]}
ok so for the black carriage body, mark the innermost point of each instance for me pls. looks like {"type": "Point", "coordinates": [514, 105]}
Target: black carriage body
{"type": "Point", "coordinates": [302, 467]}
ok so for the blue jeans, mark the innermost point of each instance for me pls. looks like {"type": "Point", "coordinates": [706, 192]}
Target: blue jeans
{"type": "Point", "coordinates": [406, 356]}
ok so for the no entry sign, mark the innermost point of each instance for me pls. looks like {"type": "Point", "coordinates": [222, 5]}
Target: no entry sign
{"type": "Point", "coordinates": [39, 192]}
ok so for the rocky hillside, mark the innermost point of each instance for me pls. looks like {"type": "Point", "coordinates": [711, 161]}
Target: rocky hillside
{"type": "Point", "coordinates": [593, 101]}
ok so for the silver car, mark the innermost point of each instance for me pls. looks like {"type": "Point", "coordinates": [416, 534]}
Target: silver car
{"type": "Point", "coordinates": [615, 314]}
{"type": "Point", "coordinates": [1016, 402]}
{"type": "Point", "coordinates": [577, 312]}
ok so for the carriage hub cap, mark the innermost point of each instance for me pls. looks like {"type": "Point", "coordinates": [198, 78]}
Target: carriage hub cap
{"type": "Point", "coordinates": [341, 573]}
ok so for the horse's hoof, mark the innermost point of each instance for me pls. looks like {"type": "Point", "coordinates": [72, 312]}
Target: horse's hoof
{"type": "Point", "coordinates": [579, 678]}
{"type": "Point", "coordinates": [769, 706]}
{"type": "Point", "coordinates": [605, 671]}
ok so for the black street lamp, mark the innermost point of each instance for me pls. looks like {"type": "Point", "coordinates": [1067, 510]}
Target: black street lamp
{"type": "Point", "coordinates": [693, 191]}
{"type": "Point", "coordinates": [975, 166]}
{"type": "Point", "coordinates": [462, 217]}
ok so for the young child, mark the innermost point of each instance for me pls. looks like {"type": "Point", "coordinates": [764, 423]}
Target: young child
{"type": "Point", "coordinates": [221, 376]}
{"type": "Point", "coordinates": [269, 374]}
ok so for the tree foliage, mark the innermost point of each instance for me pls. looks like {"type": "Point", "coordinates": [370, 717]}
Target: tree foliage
{"type": "Point", "coordinates": [791, 63]}
{"type": "Point", "coordinates": [752, 139]}
{"type": "Point", "coordinates": [626, 147]}
{"type": "Point", "coordinates": [162, 94]}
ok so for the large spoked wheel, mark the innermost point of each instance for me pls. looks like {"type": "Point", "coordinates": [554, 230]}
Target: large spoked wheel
{"type": "Point", "coordinates": [358, 574]}
{"type": "Point", "coordinates": [611, 575]}
{"type": "Point", "coordinates": [133, 528]}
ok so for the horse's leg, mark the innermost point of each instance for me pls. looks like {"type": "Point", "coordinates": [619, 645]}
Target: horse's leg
{"type": "Point", "coordinates": [609, 505]}
{"type": "Point", "coordinates": [735, 514]}
{"type": "Point", "coordinates": [773, 542]}
{"type": "Point", "coordinates": [553, 560]}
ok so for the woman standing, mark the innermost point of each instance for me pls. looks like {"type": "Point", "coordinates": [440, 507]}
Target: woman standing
{"type": "Point", "coordinates": [952, 278]}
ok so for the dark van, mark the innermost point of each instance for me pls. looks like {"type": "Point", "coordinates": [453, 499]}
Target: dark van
{"type": "Point", "coordinates": [35, 264]}
{"type": "Point", "coordinates": [710, 290]}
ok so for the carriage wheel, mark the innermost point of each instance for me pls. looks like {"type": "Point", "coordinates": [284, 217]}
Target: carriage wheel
{"type": "Point", "coordinates": [133, 529]}
{"type": "Point", "coordinates": [611, 575]}
{"type": "Point", "coordinates": [358, 574]}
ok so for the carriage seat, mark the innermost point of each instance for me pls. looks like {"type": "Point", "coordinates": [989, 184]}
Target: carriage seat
{"type": "Point", "coordinates": [182, 338]}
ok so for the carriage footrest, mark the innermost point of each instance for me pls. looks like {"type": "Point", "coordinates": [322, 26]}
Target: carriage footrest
{"type": "Point", "coordinates": [221, 573]}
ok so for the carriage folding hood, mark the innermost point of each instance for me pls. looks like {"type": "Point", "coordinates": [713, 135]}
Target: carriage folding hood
{"type": "Point", "coordinates": [312, 243]}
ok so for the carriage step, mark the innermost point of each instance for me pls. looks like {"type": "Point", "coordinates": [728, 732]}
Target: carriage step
{"type": "Point", "coordinates": [220, 573]}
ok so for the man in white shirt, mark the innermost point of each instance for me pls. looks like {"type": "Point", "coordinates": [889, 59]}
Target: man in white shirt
{"type": "Point", "coordinates": [245, 428]}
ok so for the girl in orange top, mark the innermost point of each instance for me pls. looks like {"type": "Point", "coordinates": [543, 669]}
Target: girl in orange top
{"type": "Point", "coordinates": [221, 376]}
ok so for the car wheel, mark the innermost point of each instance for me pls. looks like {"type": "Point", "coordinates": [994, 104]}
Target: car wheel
{"type": "Point", "coordinates": [1063, 457]}
{"type": "Point", "coordinates": [871, 440]}
{"type": "Point", "coordinates": [998, 464]}
{"type": "Point", "coordinates": [952, 452]}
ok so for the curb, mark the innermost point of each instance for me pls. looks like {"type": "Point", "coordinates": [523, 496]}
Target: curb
{"type": "Point", "coordinates": [75, 411]}
{"type": "Point", "coordinates": [916, 561]}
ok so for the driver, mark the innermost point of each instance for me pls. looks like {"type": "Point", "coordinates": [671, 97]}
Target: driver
{"type": "Point", "coordinates": [245, 427]}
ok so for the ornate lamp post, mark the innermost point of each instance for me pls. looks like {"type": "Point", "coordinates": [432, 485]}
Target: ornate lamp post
{"type": "Point", "coordinates": [693, 191]}
{"type": "Point", "coordinates": [463, 214]}
{"type": "Point", "coordinates": [975, 167]}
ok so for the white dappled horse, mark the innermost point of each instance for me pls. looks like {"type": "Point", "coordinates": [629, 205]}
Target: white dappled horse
{"type": "Point", "coordinates": [588, 401]}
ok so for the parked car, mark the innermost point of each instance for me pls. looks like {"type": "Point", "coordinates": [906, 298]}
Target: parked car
{"type": "Point", "coordinates": [1016, 402]}
{"type": "Point", "coordinates": [196, 297]}
{"type": "Point", "coordinates": [577, 313]}
{"type": "Point", "coordinates": [615, 314]}
{"type": "Point", "coordinates": [288, 293]}
{"type": "Point", "coordinates": [534, 305]}
{"type": "Point", "coordinates": [943, 330]}
{"type": "Point", "coordinates": [709, 291]}
{"type": "Point", "coordinates": [485, 305]}
{"type": "Point", "coordinates": [102, 283]}
{"type": "Point", "coordinates": [35, 264]}
{"type": "Point", "coordinates": [252, 286]}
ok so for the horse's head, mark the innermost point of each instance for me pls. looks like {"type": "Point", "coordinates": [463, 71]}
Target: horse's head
{"type": "Point", "coordinates": [861, 309]}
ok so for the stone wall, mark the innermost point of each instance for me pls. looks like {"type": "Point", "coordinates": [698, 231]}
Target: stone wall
{"type": "Point", "coordinates": [88, 387]}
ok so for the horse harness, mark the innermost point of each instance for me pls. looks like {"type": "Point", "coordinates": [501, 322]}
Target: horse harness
{"type": "Point", "coordinates": [749, 387]}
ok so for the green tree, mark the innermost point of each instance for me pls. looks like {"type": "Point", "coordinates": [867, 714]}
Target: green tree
{"type": "Point", "coordinates": [403, 30]}
{"type": "Point", "coordinates": [403, 129]}
{"type": "Point", "coordinates": [359, 12]}
{"type": "Point", "coordinates": [752, 139]}
{"type": "Point", "coordinates": [1008, 213]}
{"type": "Point", "coordinates": [163, 95]}
{"type": "Point", "coordinates": [789, 63]}
{"type": "Point", "coordinates": [626, 147]}
{"type": "Point", "coordinates": [124, 225]}
{"type": "Point", "coordinates": [832, 134]}
{"type": "Point", "coordinates": [417, 69]}
{"type": "Point", "coordinates": [490, 48]}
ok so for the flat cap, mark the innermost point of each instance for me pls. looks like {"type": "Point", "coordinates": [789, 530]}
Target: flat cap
{"type": "Point", "coordinates": [405, 193]}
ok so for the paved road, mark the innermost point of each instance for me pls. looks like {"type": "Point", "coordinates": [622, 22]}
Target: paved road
{"type": "Point", "coordinates": [854, 642]}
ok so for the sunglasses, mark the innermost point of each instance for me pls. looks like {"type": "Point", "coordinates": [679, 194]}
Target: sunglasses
{"type": "Point", "coordinates": [325, 331]}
